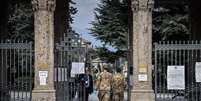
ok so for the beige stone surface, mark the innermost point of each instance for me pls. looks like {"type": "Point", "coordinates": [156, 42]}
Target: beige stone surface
{"type": "Point", "coordinates": [43, 95]}
{"type": "Point", "coordinates": [44, 46]}
{"type": "Point", "coordinates": [142, 49]}
{"type": "Point", "coordinates": [143, 95]}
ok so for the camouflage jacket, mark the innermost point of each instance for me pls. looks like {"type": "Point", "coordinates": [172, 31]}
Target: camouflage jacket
{"type": "Point", "coordinates": [104, 81]}
{"type": "Point", "coordinates": [118, 83]}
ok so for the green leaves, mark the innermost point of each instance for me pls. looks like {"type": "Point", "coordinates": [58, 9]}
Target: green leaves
{"type": "Point", "coordinates": [109, 56]}
{"type": "Point", "coordinates": [111, 23]}
{"type": "Point", "coordinates": [20, 22]}
{"type": "Point", "coordinates": [171, 23]}
{"type": "Point", "coordinates": [111, 27]}
{"type": "Point", "coordinates": [72, 10]}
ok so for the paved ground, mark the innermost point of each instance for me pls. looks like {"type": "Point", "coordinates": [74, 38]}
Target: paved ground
{"type": "Point", "coordinates": [25, 96]}
{"type": "Point", "coordinates": [170, 97]}
{"type": "Point", "coordinates": [93, 97]}
{"type": "Point", "coordinates": [20, 96]}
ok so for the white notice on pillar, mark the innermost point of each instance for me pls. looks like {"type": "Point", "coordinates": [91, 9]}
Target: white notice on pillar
{"type": "Point", "coordinates": [43, 77]}
{"type": "Point", "coordinates": [176, 77]}
{"type": "Point", "coordinates": [198, 71]}
{"type": "Point", "coordinates": [142, 77]}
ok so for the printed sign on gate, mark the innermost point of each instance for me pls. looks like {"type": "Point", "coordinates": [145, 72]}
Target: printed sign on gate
{"type": "Point", "coordinates": [77, 68]}
{"type": "Point", "coordinates": [176, 77]}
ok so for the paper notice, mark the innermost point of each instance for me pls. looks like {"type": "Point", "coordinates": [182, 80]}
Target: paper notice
{"type": "Point", "coordinates": [176, 77]}
{"type": "Point", "coordinates": [43, 77]}
{"type": "Point", "coordinates": [198, 71]}
{"type": "Point", "coordinates": [142, 77]}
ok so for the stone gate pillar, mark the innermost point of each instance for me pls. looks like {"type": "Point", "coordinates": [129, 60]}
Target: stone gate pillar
{"type": "Point", "coordinates": [44, 46]}
{"type": "Point", "coordinates": [142, 50]}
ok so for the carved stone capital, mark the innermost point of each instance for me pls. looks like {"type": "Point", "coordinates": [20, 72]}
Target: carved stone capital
{"type": "Point", "coordinates": [150, 5]}
{"type": "Point", "coordinates": [47, 5]}
{"type": "Point", "coordinates": [135, 5]}
{"type": "Point", "coordinates": [142, 5]}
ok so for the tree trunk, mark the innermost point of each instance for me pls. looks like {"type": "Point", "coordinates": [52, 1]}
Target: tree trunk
{"type": "Point", "coordinates": [4, 93]}
{"type": "Point", "coordinates": [130, 25]}
{"type": "Point", "coordinates": [3, 18]}
{"type": "Point", "coordinates": [195, 17]}
{"type": "Point", "coordinates": [61, 17]}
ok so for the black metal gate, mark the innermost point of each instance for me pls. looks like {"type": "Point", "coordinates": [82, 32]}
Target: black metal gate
{"type": "Point", "coordinates": [71, 49]}
{"type": "Point", "coordinates": [177, 55]}
{"type": "Point", "coordinates": [15, 70]}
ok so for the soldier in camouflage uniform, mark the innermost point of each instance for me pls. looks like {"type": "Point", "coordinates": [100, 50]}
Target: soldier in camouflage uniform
{"type": "Point", "coordinates": [118, 86]}
{"type": "Point", "coordinates": [104, 85]}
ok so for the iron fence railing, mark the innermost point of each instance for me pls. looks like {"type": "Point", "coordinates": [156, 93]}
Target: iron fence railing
{"type": "Point", "coordinates": [70, 49]}
{"type": "Point", "coordinates": [177, 53]}
{"type": "Point", "coordinates": [16, 63]}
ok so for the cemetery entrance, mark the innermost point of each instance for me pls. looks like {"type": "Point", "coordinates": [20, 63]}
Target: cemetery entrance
{"type": "Point", "coordinates": [16, 63]}
{"type": "Point", "coordinates": [70, 59]}
{"type": "Point", "coordinates": [177, 71]}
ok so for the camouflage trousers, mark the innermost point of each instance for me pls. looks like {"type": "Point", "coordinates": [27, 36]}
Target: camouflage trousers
{"type": "Point", "coordinates": [104, 96]}
{"type": "Point", "coordinates": [118, 96]}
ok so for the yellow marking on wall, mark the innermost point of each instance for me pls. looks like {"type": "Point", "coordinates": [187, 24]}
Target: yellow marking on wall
{"type": "Point", "coordinates": [143, 68]}
{"type": "Point", "coordinates": [42, 65]}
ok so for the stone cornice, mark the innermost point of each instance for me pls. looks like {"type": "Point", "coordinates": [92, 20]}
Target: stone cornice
{"type": "Point", "coordinates": [142, 5]}
{"type": "Point", "coordinates": [47, 5]}
{"type": "Point", "coordinates": [135, 5]}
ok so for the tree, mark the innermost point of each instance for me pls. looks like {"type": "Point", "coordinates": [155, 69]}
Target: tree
{"type": "Point", "coordinates": [111, 23]}
{"type": "Point", "coordinates": [108, 55]}
{"type": "Point", "coordinates": [21, 21]}
{"type": "Point", "coordinates": [72, 10]}
{"type": "Point", "coordinates": [3, 18]}
{"type": "Point", "coordinates": [171, 23]}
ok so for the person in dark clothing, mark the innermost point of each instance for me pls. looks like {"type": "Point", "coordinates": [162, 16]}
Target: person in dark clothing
{"type": "Point", "coordinates": [85, 86]}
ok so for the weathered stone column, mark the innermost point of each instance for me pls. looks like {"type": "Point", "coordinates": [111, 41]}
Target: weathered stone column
{"type": "Point", "coordinates": [44, 46]}
{"type": "Point", "coordinates": [142, 50]}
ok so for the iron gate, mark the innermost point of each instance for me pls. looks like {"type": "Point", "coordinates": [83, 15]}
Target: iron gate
{"type": "Point", "coordinates": [177, 53]}
{"type": "Point", "coordinates": [70, 49]}
{"type": "Point", "coordinates": [15, 70]}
